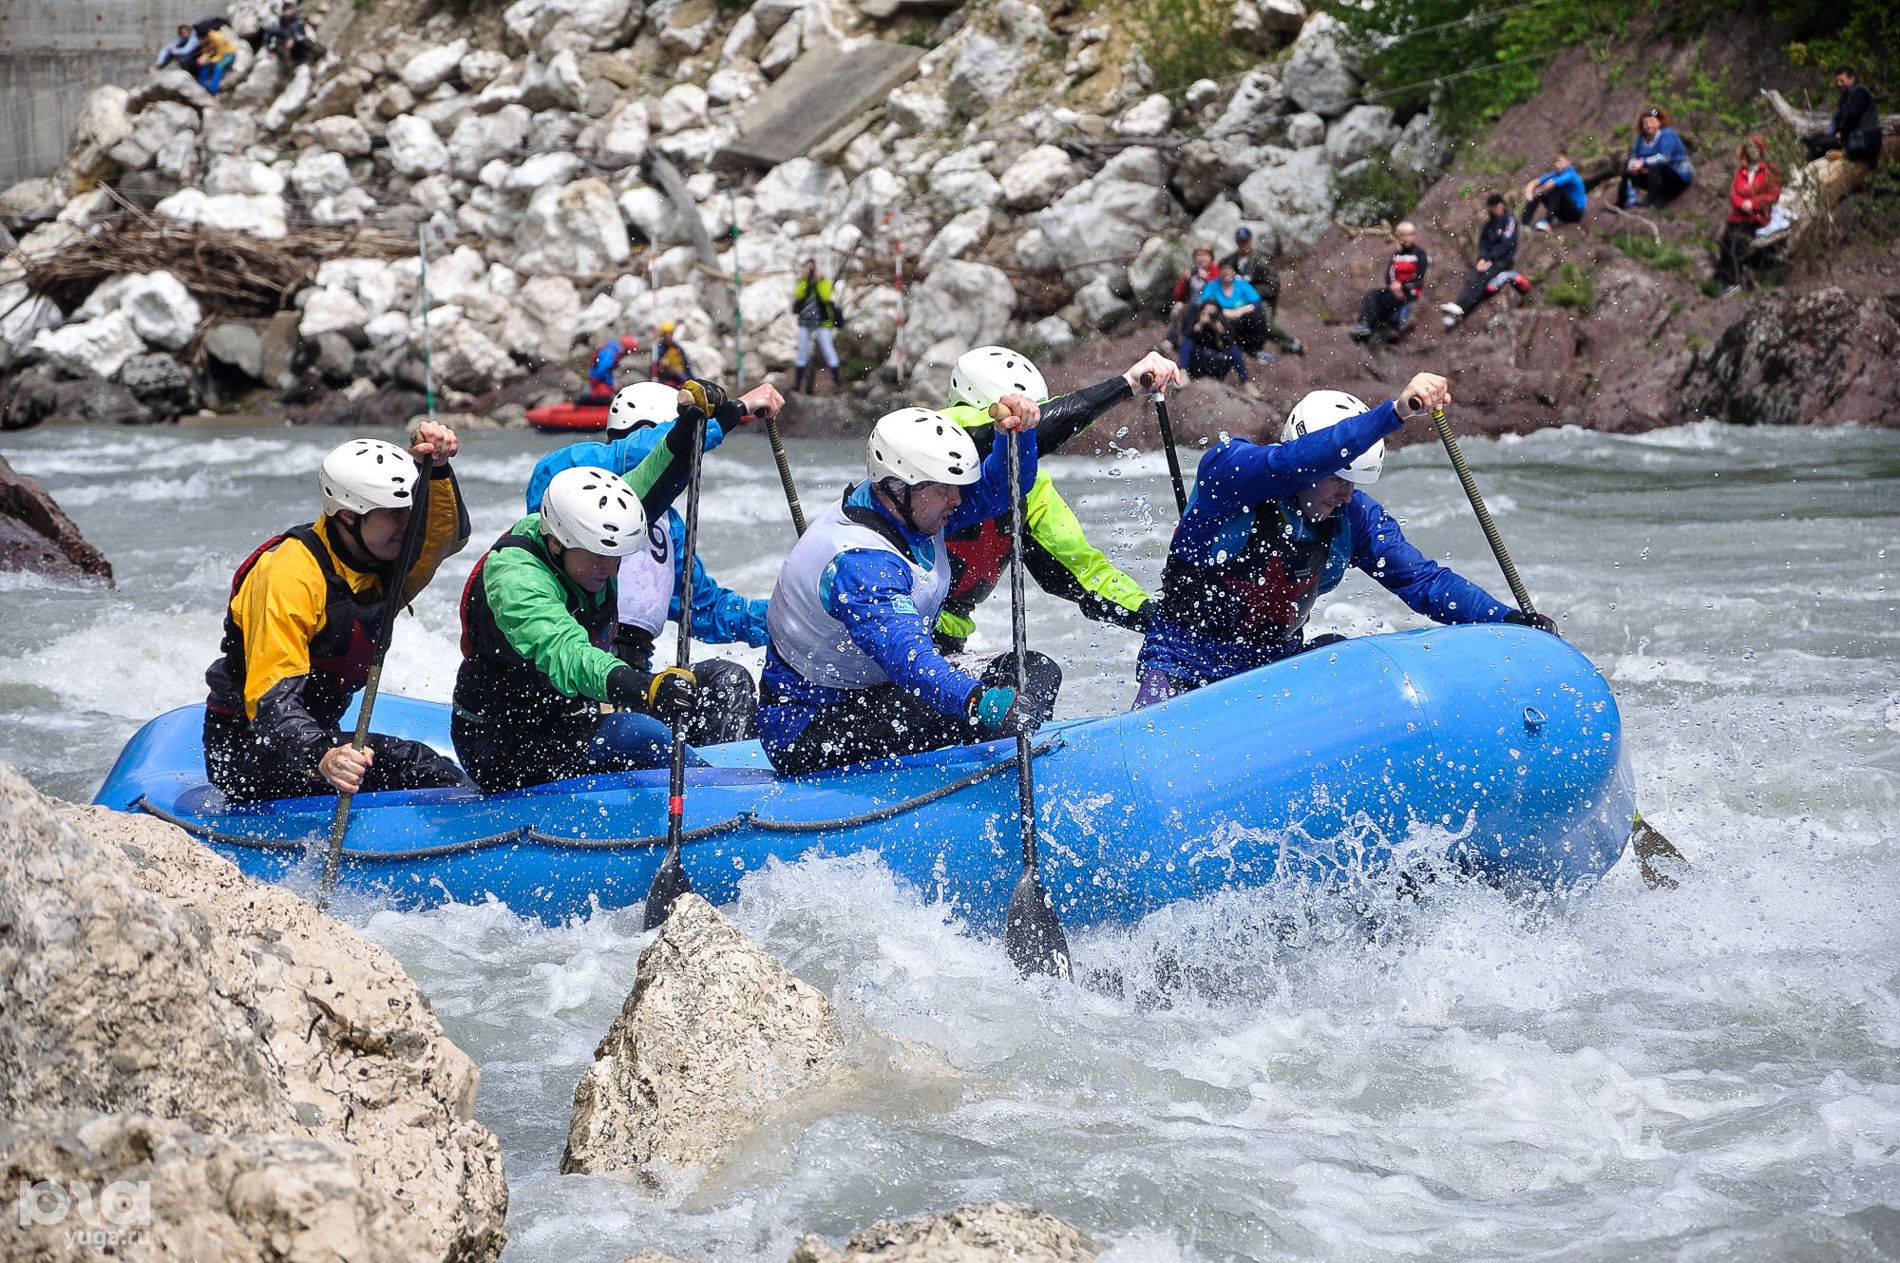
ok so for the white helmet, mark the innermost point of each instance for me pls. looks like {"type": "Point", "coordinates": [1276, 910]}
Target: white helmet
{"type": "Point", "coordinates": [917, 445]}
{"type": "Point", "coordinates": [366, 474]}
{"type": "Point", "coordinates": [640, 405]}
{"type": "Point", "coordinates": [588, 508]}
{"type": "Point", "coordinates": [986, 374]}
{"type": "Point", "coordinates": [1323, 408]}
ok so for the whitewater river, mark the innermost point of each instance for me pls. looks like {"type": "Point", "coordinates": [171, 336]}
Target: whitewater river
{"type": "Point", "coordinates": [1712, 1073]}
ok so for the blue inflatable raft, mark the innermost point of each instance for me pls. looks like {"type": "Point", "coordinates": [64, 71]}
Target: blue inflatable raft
{"type": "Point", "coordinates": [1497, 745]}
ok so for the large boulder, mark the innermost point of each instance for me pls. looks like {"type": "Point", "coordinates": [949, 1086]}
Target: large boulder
{"type": "Point", "coordinates": [573, 230]}
{"type": "Point", "coordinates": [1422, 147]}
{"type": "Point", "coordinates": [94, 401]}
{"type": "Point", "coordinates": [553, 25]}
{"type": "Point", "coordinates": [1097, 228]}
{"type": "Point", "coordinates": [433, 67]}
{"type": "Point", "coordinates": [1359, 133]}
{"type": "Point", "coordinates": [1819, 358]}
{"type": "Point", "coordinates": [992, 1232]}
{"type": "Point", "coordinates": [1037, 177]}
{"type": "Point", "coordinates": [1293, 191]}
{"type": "Point", "coordinates": [414, 147]}
{"type": "Point", "coordinates": [161, 383]}
{"type": "Point", "coordinates": [468, 359]}
{"type": "Point", "coordinates": [331, 311]}
{"type": "Point", "coordinates": [339, 133]}
{"type": "Point", "coordinates": [798, 189]}
{"type": "Point", "coordinates": [1251, 111]}
{"type": "Point", "coordinates": [102, 124]}
{"type": "Point", "coordinates": [1318, 76]}
{"type": "Point", "coordinates": [31, 202]}
{"type": "Point", "coordinates": [234, 174]}
{"type": "Point", "coordinates": [623, 141]}
{"type": "Point", "coordinates": [961, 304]}
{"type": "Point", "coordinates": [263, 350]}
{"type": "Point", "coordinates": [543, 318]}
{"type": "Point", "coordinates": [162, 311]}
{"type": "Point", "coordinates": [278, 1084]}
{"type": "Point", "coordinates": [36, 535]}
{"type": "Point", "coordinates": [479, 139]}
{"type": "Point", "coordinates": [23, 314]}
{"type": "Point", "coordinates": [96, 348]}
{"type": "Point", "coordinates": [318, 174]}
{"type": "Point", "coordinates": [263, 215]}
{"type": "Point", "coordinates": [982, 72]}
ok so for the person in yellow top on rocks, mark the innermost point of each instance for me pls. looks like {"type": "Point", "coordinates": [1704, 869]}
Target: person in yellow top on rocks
{"type": "Point", "coordinates": [669, 365]}
{"type": "Point", "coordinates": [1055, 552]}
{"type": "Point", "coordinates": [300, 630]}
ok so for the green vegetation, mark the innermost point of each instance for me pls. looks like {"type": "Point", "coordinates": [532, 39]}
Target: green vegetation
{"type": "Point", "coordinates": [1187, 40]}
{"type": "Point", "coordinates": [1571, 287]}
{"type": "Point", "coordinates": [1379, 192]}
{"type": "Point", "coordinates": [1660, 255]}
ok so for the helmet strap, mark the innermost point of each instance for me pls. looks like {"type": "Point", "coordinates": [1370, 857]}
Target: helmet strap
{"type": "Point", "coordinates": [356, 553]}
{"type": "Point", "coordinates": [900, 497]}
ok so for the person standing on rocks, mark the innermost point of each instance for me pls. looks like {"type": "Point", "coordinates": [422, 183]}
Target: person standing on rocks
{"type": "Point", "coordinates": [653, 586]}
{"type": "Point", "coordinates": [1257, 269]}
{"type": "Point", "coordinates": [1055, 552]}
{"type": "Point", "coordinates": [818, 316]}
{"type": "Point", "coordinates": [1387, 307]}
{"type": "Point", "coordinates": [1271, 526]}
{"type": "Point", "coordinates": [300, 630]}
{"type": "Point", "coordinates": [600, 386]}
{"type": "Point", "coordinates": [1752, 195]}
{"type": "Point", "coordinates": [1559, 193]}
{"type": "Point", "coordinates": [1658, 169]}
{"type": "Point", "coordinates": [670, 364]}
{"type": "Point", "coordinates": [1496, 265]}
{"type": "Point", "coordinates": [851, 674]}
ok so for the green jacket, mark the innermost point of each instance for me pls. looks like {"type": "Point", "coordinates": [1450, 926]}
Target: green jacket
{"type": "Point", "coordinates": [826, 314]}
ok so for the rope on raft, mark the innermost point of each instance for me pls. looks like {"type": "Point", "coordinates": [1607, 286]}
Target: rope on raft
{"type": "Point", "coordinates": [530, 834]}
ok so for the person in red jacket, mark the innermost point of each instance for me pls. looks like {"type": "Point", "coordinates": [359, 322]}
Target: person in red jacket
{"type": "Point", "coordinates": [1751, 198]}
{"type": "Point", "coordinates": [1187, 293]}
{"type": "Point", "coordinates": [1387, 307]}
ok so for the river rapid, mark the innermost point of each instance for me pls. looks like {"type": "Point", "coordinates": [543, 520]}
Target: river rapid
{"type": "Point", "coordinates": [1709, 1073]}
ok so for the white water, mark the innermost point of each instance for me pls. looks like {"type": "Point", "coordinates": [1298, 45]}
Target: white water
{"type": "Point", "coordinates": [1706, 1074]}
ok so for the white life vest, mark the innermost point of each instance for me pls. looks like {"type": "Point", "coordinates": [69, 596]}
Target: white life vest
{"type": "Point", "coordinates": [809, 639]}
{"type": "Point", "coordinates": [646, 579]}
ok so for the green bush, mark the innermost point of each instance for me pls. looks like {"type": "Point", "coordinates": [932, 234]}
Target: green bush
{"type": "Point", "coordinates": [1187, 40]}
{"type": "Point", "coordinates": [1571, 287]}
{"type": "Point", "coordinates": [1377, 193]}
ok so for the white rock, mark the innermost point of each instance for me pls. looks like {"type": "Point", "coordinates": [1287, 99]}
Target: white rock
{"type": "Point", "coordinates": [31, 201]}
{"type": "Point", "coordinates": [543, 318]}
{"type": "Point", "coordinates": [319, 173]}
{"type": "Point", "coordinates": [869, 196]}
{"type": "Point", "coordinates": [688, 27]}
{"type": "Point", "coordinates": [798, 189]}
{"type": "Point", "coordinates": [735, 84]}
{"type": "Point", "coordinates": [433, 67]}
{"type": "Point", "coordinates": [696, 146]}
{"type": "Point", "coordinates": [414, 147]}
{"type": "Point", "coordinates": [982, 72]}
{"type": "Point", "coordinates": [1037, 177]}
{"type": "Point", "coordinates": [782, 50]}
{"type": "Point", "coordinates": [351, 206]}
{"type": "Point", "coordinates": [23, 315]}
{"type": "Point", "coordinates": [1032, 252]}
{"type": "Point", "coordinates": [331, 311]}
{"type": "Point", "coordinates": [262, 216]}
{"type": "Point", "coordinates": [88, 208]}
{"type": "Point", "coordinates": [1138, 164]}
{"type": "Point", "coordinates": [481, 138]}
{"type": "Point", "coordinates": [468, 359]}
{"type": "Point", "coordinates": [1359, 133]}
{"type": "Point", "coordinates": [229, 131]}
{"type": "Point", "coordinates": [290, 102]}
{"type": "Point", "coordinates": [481, 67]}
{"type": "Point", "coordinates": [602, 313]}
{"type": "Point", "coordinates": [340, 133]}
{"type": "Point", "coordinates": [232, 174]}
{"type": "Point", "coordinates": [960, 182]}
{"type": "Point", "coordinates": [457, 276]}
{"type": "Point", "coordinates": [649, 211]}
{"type": "Point", "coordinates": [958, 237]}
{"type": "Point", "coordinates": [1216, 225]}
{"type": "Point", "coordinates": [178, 158]}
{"type": "Point", "coordinates": [563, 81]}
{"type": "Point", "coordinates": [1316, 76]}
{"type": "Point", "coordinates": [388, 329]}
{"type": "Point", "coordinates": [1096, 228]}
{"type": "Point", "coordinates": [162, 311]}
{"type": "Point", "coordinates": [1149, 116]}
{"type": "Point", "coordinates": [552, 25]}
{"type": "Point", "coordinates": [1293, 192]}
{"type": "Point", "coordinates": [1101, 304]}
{"type": "Point", "coordinates": [918, 108]}
{"type": "Point", "coordinates": [1054, 333]}
{"type": "Point", "coordinates": [1257, 99]}
{"type": "Point", "coordinates": [99, 346]}
{"type": "Point", "coordinates": [542, 170]}
{"type": "Point", "coordinates": [379, 284]}
{"type": "Point", "coordinates": [960, 305]}
{"type": "Point", "coordinates": [1305, 130]}
{"type": "Point", "coordinates": [102, 124]}
{"type": "Point", "coordinates": [623, 142]}
{"type": "Point", "coordinates": [105, 296]}
{"type": "Point", "coordinates": [682, 106]}
{"type": "Point", "coordinates": [1421, 147]}
{"type": "Point", "coordinates": [575, 230]}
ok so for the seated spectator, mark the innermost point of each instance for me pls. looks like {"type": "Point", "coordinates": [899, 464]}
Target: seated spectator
{"type": "Point", "coordinates": [1208, 349]}
{"type": "Point", "coordinates": [1239, 303]}
{"type": "Point", "coordinates": [183, 50]}
{"type": "Point", "coordinates": [1658, 169]}
{"type": "Point", "coordinates": [289, 38]}
{"type": "Point", "coordinates": [1388, 306]}
{"type": "Point", "coordinates": [1751, 198]}
{"type": "Point", "coordinates": [1497, 261]}
{"type": "Point", "coordinates": [214, 58]}
{"type": "Point", "coordinates": [1855, 127]}
{"type": "Point", "coordinates": [1558, 192]}
{"type": "Point", "coordinates": [1187, 292]}
{"type": "Point", "coordinates": [1257, 270]}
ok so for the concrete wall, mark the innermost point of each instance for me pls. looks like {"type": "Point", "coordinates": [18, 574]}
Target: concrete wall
{"type": "Point", "coordinates": [53, 53]}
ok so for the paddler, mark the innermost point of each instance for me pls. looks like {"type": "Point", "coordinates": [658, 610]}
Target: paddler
{"type": "Point", "coordinates": [669, 364]}
{"type": "Point", "coordinates": [852, 674]}
{"type": "Point", "coordinates": [301, 623]}
{"type": "Point", "coordinates": [1271, 526]}
{"type": "Point", "coordinates": [652, 583]}
{"type": "Point", "coordinates": [600, 378]}
{"type": "Point", "coordinates": [538, 619]}
{"type": "Point", "coordinates": [1055, 552]}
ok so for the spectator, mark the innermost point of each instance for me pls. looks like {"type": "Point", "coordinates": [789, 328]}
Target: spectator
{"type": "Point", "coordinates": [1751, 198]}
{"type": "Point", "coordinates": [669, 363]}
{"type": "Point", "coordinates": [1388, 306]}
{"type": "Point", "coordinates": [214, 58]}
{"type": "Point", "coordinates": [1239, 303]}
{"type": "Point", "coordinates": [1559, 192]}
{"type": "Point", "coordinates": [817, 312]}
{"type": "Point", "coordinates": [1209, 349]}
{"type": "Point", "coordinates": [289, 37]}
{"type": "Point", "coordinates": [1497, 261]}
{"type": "Point", "coordinates": [1855, 127]}
{"type": "Point", "coordinates": [1257, 270]}
{"type": "Point", "coordinates": [183, 50]}
{"type": "Point", "coordinates": [1658, 169]}
{"type": "Point", "coordinates": [1187, 293]}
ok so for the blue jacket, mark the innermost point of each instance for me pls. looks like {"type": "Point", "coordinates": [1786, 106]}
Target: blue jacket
{"type": "Point", "coordinates": [1237, 475]}
{"type": "Point", "coordinates": [1243, 293]}
{"type": "Point", "coordinates": [720, 615]}
{"type": "Point", "coordinates": [1569, 183]}
{"type": "Point", "coordinates": [604, 361]}
{"type": "Point", "coordinates": [1666, 147]}
{"type": "Point", "coordinates": [868, 590]}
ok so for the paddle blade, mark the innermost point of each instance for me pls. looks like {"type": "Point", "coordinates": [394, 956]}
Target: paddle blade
{"type": "Point", "coordinates": [668, 884]}
{"type": "Point", "coordinates": [1656, 856]}
{"type": "Point", "coordinates": [1032, 934]}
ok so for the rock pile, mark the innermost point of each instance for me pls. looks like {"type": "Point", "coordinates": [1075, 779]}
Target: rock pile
{"type": "Point", "coordinates": [216, 1067]}
{"type": "Point", "coordinates": [534, 140]}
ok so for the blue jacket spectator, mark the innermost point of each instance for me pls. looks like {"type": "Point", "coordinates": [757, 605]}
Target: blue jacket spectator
{"type": "Point", "coordinates": [1557, 194]}
{"type": "Point", "coordinates": [183, 50]}
{"type": "Point", "coordinates": [1658, 164]}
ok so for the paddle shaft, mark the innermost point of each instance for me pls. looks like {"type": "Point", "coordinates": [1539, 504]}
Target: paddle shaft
{"type": "Point", "coordinates": [385, 631]}
{"type": "Point", "coordinates": [1490, 528]}
{"type": "Point", "coordinates": [1019, 642]}
{"type": "Point", "coordinates": [785, 472]}
{"type": "Point", "coordinates": [1160, 402]}
{"type": "Point", "coordinates": [683, 647]}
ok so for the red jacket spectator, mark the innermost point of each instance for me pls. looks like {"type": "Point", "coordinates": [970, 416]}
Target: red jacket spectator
{"type": "Point", "coordinates": [1756, 188]}
{"type": "Point", "coordinates": [1187, 289]}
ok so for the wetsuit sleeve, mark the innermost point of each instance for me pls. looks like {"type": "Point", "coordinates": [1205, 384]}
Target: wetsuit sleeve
{"type": "Point", "coordinates": [661, 475]}
{"type": "Point", "coordinates": [989, 495]}
{"type": "Point", "coordinates": [530, 609]}
{"type": "Point", "coordinates": [1237, 473]}
{"type": "Point", "coordinates": [720, 615]}
{"type": "Point", "coordinates": [279, 610]}
{"type": "Point", "coordinates": [868, 590]}
{"type": "Point", "coordinates": [445, 534]}
{"type": "Point", "coordinates": [1068, 415]}
{"type": "Point", "coordinates": [1065, 564]}
{"type": "Point", "coordinates": [1380, 549]}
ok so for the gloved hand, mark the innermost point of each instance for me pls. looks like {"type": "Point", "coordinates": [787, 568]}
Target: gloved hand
{"type": "Point", "coordinates": [700, 399]}
{"type": "Point", "coordinates": [1542, 622]}
{"type": "Point", "coordinates": [997, 713]}
{"type": "Point", "coordinates": [671, 693]}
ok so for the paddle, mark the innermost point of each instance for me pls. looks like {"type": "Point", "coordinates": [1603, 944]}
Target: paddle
{"type": "Point", "coordinates": [670, 882]}
{"type": "Point", "coordinates": [1032, 933]}
{"type": "Point", "coordinates": [385, 631]}
{"type": "Point", "coordinates": [1160, 401]}
{"type": "Point", "coordinates": [785, 472]}
{"type": "Point", "coordinates": [1649, 845]}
